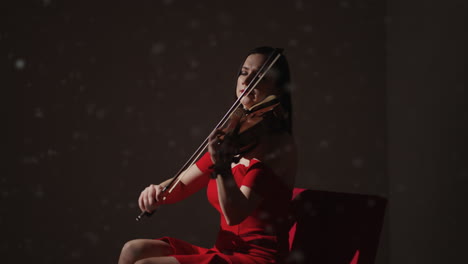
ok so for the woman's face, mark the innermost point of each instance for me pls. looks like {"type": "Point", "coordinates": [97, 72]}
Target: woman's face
{"type": "Point", "coordinates": [264, 88]}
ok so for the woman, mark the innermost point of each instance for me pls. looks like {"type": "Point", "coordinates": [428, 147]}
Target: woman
{"type": "Point", "coordinates": [252, 195]}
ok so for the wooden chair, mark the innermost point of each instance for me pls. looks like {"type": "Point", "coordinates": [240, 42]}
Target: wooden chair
{"type": "Point", "coordinates": [332, 227]}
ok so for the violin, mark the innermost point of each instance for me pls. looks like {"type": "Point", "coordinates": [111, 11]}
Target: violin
{"type": "Point", "coordinates": [244, 127]}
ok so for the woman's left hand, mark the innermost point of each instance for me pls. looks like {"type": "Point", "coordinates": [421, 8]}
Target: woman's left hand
{"type": "Point", "coordinates": [222, 148]}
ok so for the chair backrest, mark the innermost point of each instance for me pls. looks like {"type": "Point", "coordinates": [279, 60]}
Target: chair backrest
{"type": "Point", "coordinates": [332, 227]}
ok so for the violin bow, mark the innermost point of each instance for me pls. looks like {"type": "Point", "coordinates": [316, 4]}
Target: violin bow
{"type": "Point", "coordinates": [260, 74]}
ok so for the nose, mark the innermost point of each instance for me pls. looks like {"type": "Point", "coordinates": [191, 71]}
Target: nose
{"type": "Point", "coordinates": [248, 79]}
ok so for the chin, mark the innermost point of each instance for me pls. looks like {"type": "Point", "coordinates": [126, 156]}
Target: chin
{"type": "Point", "coordinates": [247, 102]}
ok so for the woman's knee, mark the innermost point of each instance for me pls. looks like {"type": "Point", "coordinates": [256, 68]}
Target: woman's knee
{"type": "Point", "coordinates": [143, 248]}
{"type": "Point", "coordinates": [130, 252]}
{"type": "Point", "coordinates": [158, 260]}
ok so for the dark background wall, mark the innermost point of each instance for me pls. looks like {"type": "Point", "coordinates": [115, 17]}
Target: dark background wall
{"type": "Point", "coordinates": [104, 98]}
{"type": "Point", "coordinates": [427, 131]}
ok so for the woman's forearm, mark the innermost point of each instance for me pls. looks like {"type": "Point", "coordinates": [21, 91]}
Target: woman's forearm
{"type": "Point", "coordinates": [235, 205]}
{"type": "Point", "coordinates": [189, 182]}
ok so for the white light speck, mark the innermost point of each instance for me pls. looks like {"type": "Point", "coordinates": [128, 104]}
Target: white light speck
{"type": "Point", "coordinates": [323, 144]}
{"type": "Point", "coordinates": [90, 108]}
{"type": "Point", "coordinates": [308, 28]}
{"type": "Point", "coordinates": [194, 23]}
{"type": "Point", "coordinates": [195, 131]}
{"type": "Point", "coordinates": [263, 215]}
{"type": "Point", "coordinates": [194, 63]}
{"type": "Point", "coordinates": [76, 253]}
{"type": "Point", "coordinates": [92, 238]}
{"type": "Point", "coordinates": [39, 192]}
{"type": "Point", "coordinates": [31, 160]}
{"type": "Point", "coordinates": [104, 202]}
{"type": "Point", "coordinates": [38, 113]}
{"type": "Point", "coordinates": [101, 113]}
{"type": "Point", "coordinates": [358, 162]}
{"type": "Point", "coordinates": [225, 19]}
{"type": "Point", "coordinates": [129, 110]}
{"type": "Point", "coordinates": [299, 4]}
{"type": "Point", "coordinates": [52, 152]}
{"type": "Point", "coordinates": [293, 42]}
{"type": "Point", "coordinates": [158, 48]}
{"type": "Point", "coordinates": [296, 256]}
{"type": "Point", "coordinates": [401, 188]}
{"type": "Point", "coordinates": [20, 64]}
{"type": "Point", "coordinates": [213, 42]}
{"type": "Point", "coordinates": [344, 4]}
{"type": "Point", "coordinates": [171, 143]}
{"type": "Point", "coordinates": [76, 135]}
{"type": "Point", "coordinates": [308, 207]}
{"type": "Point", "coordinates": [269, 229]}
{"type": "Point", "coordinates": [371, 203]}
{"type": "Point", "coordinates": [190, 76]}
{"type": "Point", "coordinates": [126, 153]}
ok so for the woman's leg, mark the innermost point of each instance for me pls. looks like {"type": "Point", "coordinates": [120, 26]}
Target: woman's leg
{"type": "Point", "coordinates": [137, 249]}
{"type": "Point", "coordinates": [158, 260]}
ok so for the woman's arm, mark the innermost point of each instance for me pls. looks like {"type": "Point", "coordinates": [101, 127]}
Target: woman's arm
{"type": "Point", "coordinates": [191, 181]}
{"type": "Point", "coordinates": [236, 203]}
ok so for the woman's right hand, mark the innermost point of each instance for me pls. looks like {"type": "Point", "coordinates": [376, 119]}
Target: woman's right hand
{"type": "Point", "coordinates": [149, 198]}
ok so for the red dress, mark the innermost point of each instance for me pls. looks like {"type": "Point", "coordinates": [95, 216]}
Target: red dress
{"type": "Point", "coordinates": [261, 238]}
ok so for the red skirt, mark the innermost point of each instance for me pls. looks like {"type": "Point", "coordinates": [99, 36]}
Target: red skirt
{"type": "Point", "coordinates": [187, 253]}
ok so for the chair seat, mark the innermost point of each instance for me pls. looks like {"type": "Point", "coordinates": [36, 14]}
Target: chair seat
{"type": "Point", "coordinates": [332, 227]}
